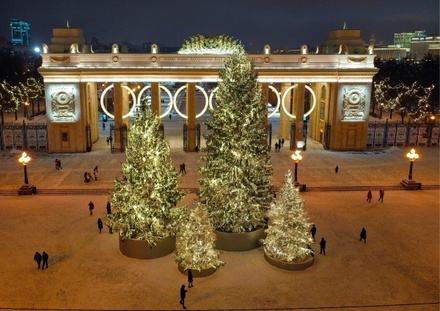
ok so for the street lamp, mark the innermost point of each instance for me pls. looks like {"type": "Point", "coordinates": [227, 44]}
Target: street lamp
{"type": "Point", "coordinates": [24, 160]}
{"type": "Point", "coordinates": [296, 157]}
{"type": "Point", "coordinates": [26, 188]}
{"type": "Point", "coordinates": [412, 156]}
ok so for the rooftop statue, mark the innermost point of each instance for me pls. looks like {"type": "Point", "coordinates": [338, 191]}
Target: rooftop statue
{"type": "Point", "coordinates": [211, 44]}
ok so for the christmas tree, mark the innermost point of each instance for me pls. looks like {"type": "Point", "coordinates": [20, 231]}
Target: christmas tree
{"type": "Point", "coordinates": [144, 199]}
{"type": "Point", "coordinates": [236, 175]}
{"type": "Point", "coordinates": [195, 242]}
{"type": "Point", "coordinates": [288, 237]}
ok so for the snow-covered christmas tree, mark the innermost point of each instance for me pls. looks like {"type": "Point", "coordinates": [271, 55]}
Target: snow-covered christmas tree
{"type": "Point", "coordinates": [236, 175]}
{"type": "Point", "coordinates": [195, 242]}
{"type": "Point", "coordinates": [288, 237]}
{"type": "Point", "coordinates": [144, 199]}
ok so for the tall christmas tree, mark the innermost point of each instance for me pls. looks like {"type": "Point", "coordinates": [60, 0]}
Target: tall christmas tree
{"type": "Point", "coordinates": [288, 237]}
{"type": "Point", "coordinates": [236, 176]}
{"type": "Point", "coordinates": [195, 242]}
{"type": "Point", "coordinates": [144, 199]}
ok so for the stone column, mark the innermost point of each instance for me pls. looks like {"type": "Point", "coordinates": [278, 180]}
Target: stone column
{"type": "Point", "coordinates": [191, 113]}
{"type": "Point", "coordinates": [121, 108]}
{"type": "Point", "coordinates": [298, 111]}
{"type": "Point", "coordinates": [155, 98]}
{"type": "Point", "coordinates": [284, 118]}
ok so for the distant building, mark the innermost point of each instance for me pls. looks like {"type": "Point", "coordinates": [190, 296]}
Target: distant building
{"type": "Point", "coordinates": [415, 44]}
{"type": "Point", "coordinates": [20, 32]}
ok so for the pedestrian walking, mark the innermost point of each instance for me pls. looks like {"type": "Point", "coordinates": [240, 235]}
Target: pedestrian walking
{"type": "Point", "coordinates": [95, 175]}
{"type": "Point", "coordinates": [322, 244]}
{"type": "Point", "coordinates": [369, 196]}
{"type": "Point", "coordinates": [108, 140]}
{"type": "Point", "coordinates": [56, 164]}
{"type": "Point", "coordinates": [108, 208]}
{"type": "Point", "coordinates": [313, 231]}
{"type": "Point", "coordinates": [103, 126]}
{"type": "Point", "coordinates": [91, 207]}
{"type": "Point", "coordinates": [170, 116]}
{"type": "Point", "coordinates": [45, 260]}
{"type": "Point", "coordinates": [282, 142]}
{"type": "Point", "coordinates": [182, 296]}
{"type": "Point", "coordinates": [336, 169]}
{"type": "Point", "coordinates": [182, 168]}
{"type": "Point", "coordinates": [277, 147]}
{"type": "Point", "coordinates": [59, 164]}
{"type": "Point", "coordinates": [100, 225]}
{"type": "Point", "coordinates": [190, 278]}
{"type": "Point", "coordinates": [363, 235]}
{"type": "Point", "coordinates": [38, 259]}
{"type": "Point", "coordinates": [381, 195]}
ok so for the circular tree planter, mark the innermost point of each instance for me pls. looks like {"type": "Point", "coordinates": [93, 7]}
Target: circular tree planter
{"type": "Point", "coordinates": [288, 265]}
{"type": "Point", "coordinates": [197, 273]}
{"type": "Point", "coordinates": [238, 242]}
{"type": "Point", "coordinates": [143, 250]}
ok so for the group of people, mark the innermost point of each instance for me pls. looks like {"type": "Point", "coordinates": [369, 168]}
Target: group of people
{"type": "Point", "coordinates": [88, 176]}
{"type": "Point", "coordinates": [39, 258]}
{"type": "Point", "coordinates": [279, 144]}
{"type": "Point", "coordinates": [323, 242]}
{"type": "Point", "coordinates": [58, 164]}
{"type": "Point", "coordinates": [183, 290]}
{"type": "Point", "coordinates": [370, 196]}
{"type": "Point", "coordinates": [100, 222]}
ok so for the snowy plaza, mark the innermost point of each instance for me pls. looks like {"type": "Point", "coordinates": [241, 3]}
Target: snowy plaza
{"type": "Point", "coordinates": [397, 269]}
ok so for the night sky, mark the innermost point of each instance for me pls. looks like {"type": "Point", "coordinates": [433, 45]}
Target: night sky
{"type": "Point", "coordinates": [280, 23]}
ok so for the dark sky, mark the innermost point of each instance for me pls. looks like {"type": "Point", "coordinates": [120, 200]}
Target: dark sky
{"type": "Point", "coordinates": [279, 23]}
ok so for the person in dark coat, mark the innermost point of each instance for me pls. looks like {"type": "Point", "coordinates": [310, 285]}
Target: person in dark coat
{"type": "Point", "coordinates": [91, 207]}
{"type": "Point", "coordinates": [381, 195]}
{"type": "Point", "coordinates": [100, 225]}
{"type": "Point", "coordinates": [336, 169]}
{"type": "Point", "coordinates": [363, 235]}
{"type": "Point", "coordinates": [182, 296]}
{"type": "Point", "coordinates": [190, 278]}
{"type": "Point", "coordinates": [369, 196]}
{"type": "Point", "coordinates": [108, 208]}
{"type": "Point", "coordinates": [313, 231]}
{"type": "Point", "coordinates": [38, 259]}
{"type": "Point", "coordinates": [45, 260]}
{"type": "Point", "coordinates": [322, 245]}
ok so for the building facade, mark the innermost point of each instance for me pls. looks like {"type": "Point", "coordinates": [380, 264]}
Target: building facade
{"type": "Point", "coordinates": [20, 32]}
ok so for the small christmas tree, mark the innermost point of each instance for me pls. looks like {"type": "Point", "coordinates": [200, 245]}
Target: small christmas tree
{"type": "Point", "coordinates": [195, 242]}
{"type": "Point", "coordinates": [288, 237]}
{"type": "Point", "coordinates": [236, 176]}
{"type": "Point", "coordinates": [144, 200]}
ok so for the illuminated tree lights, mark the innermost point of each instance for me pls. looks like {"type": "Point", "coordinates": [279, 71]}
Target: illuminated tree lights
{"type": "Point", "coordinates": [195, 242]}
{"type": "Point", "coordinates": [236, 175]}
{"type": "Point", "coordinates": [288, 236]}
{"type": "Point", "coordinates": [12, 97]}
{"type": "Point", "coordinates": [144, 199]}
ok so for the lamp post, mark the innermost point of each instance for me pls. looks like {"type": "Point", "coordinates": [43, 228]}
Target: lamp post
{"type": "Point", "coordinates": [412, 156]}
{"type": "Point", "coordinates": [26, 188]}
{"type": "Point", "coordinates": [24, 160]}
{"type": "Point", "coordinates": [296, 157]}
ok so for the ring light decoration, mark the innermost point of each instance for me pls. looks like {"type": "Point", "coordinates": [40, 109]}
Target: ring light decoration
{"type": "Point", "coordinates": [211, 96]}
{"type": "Point", "coordinates": [177, 109]}
{"type": "Point", "coordinates": [170, 107]}
{"type": "Point", "coordinates": [284, 97]}
{"type": "Point", "coordinates": [278, 101]}
{"type": "Point", "coordinates": [105, 109]}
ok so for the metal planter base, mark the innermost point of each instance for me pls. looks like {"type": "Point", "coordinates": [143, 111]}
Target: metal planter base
{"type": "Point", "coordinates": [196, 273]}
{"type": "Point", "coordinates": [290, 266]}
{"type": "Point", "coordinates": [238, 242]}
{"type": "Point", "coordinates": [143, 250]}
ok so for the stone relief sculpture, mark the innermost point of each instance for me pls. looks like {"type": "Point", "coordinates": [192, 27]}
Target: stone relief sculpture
{"type": "Point", "coordinates": [353, 103]}
{"type": "Point", "coordinates": [63, 105]}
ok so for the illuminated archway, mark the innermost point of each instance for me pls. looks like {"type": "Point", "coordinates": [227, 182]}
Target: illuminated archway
{"type": "Point", "coordinates": [177, 109]}
{"type": "Point", "coordinates": [105, 109]}
{"type": "Point", "coordinates": [284, 97]}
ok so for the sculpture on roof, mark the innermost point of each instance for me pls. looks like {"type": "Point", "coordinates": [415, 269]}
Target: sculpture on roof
{"type": "Point", "coordinates": [211, 44]}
